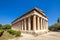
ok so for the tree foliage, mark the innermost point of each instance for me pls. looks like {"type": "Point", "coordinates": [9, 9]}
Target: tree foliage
{"type": "Point", "coordinates": [0, 26]}
{"type": "Point", "coordinates": [6, 26]}
{"type": "Point", "coordinates": [55, 27]}
{"type": "Point", "coordinates": [58, 20]}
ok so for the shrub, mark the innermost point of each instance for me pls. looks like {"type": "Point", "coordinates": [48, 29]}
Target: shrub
{"type": "Point", "coordinates": [13, 32]}
{"type": "Point", "coordinates": [18, 33]}
{"type": "Point", "coordinates": [1, 32]}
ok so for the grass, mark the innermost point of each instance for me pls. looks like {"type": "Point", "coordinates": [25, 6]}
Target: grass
{"type": "Point", "coordinates": [6, 36]}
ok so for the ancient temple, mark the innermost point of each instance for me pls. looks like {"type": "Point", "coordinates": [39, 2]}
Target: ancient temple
{"type": "Point", "coordinates": [33, 21]}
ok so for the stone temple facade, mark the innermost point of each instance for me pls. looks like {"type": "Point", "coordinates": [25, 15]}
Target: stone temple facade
{"type": "Point", "coordinates": [34, 21]}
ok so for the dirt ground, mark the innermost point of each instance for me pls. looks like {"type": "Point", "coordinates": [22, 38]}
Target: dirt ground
{"type": "Point", "coordinates": [47, 36]}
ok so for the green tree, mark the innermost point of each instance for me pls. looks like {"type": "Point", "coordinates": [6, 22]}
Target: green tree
{"type": "Point", "coordinates": [0, 26]}
{"type": "Point", "coordinates": [58, 20]}
{"type": "Point", "coordinates": [6, 26]}
{"type": "Point", "coordinates": [55, 27]}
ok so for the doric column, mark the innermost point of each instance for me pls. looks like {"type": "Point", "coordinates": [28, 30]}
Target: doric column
{"type": "Point", "coordinates": [41, 23]}
{"type": "Point", "coordinates": [44, 25]}
{"type": "Point", "coordinates": [34, 22]}
{"type": "Point", "coordinates": [25, 24]}
{"type": "Point", "coordinates": [22, 25]}
{"type": "Point", "coordinates": [38, 23]}
{"type": "Point", "coordinates": [47, 25]}
{"type": "Point", "coordinates": [29, 23]}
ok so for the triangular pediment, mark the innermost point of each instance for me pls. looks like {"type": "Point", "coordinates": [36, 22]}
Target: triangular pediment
{"type": "Point", "coordinates": [37, 10]}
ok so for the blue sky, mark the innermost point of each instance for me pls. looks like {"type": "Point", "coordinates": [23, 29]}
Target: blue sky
{"type": "Point", "coordinates": [11, 9]}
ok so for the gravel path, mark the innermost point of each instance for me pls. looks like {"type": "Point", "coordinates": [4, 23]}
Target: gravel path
{"type": "Point", "coordinates": [47, 36]}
